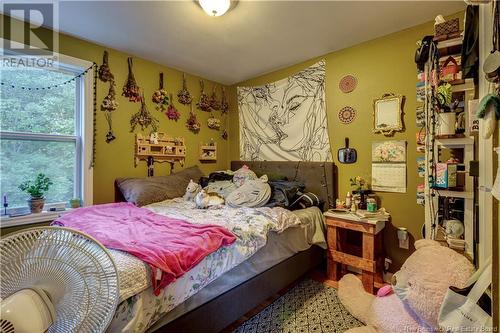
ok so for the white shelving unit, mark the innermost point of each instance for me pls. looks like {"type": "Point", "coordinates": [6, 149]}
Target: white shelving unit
{"type": "Point", "coordinates": [467, 145]}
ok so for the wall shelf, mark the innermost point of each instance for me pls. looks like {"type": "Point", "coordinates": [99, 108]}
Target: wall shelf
{"type": "Point", "coordinates": [455, 142]}
{"type": "Point", "coordinates": [208, 152]}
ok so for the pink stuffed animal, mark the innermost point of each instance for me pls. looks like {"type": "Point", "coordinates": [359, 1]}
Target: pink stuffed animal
{"type": "Point", "coordinates": [419, 288]}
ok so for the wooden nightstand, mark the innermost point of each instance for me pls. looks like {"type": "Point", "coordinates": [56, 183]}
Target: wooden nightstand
{"type": "Point", "coordinates": [368, 257]}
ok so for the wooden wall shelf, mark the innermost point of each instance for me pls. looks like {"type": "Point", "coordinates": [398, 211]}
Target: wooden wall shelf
{"type": "Point", "coordinates": [166, 149]}
{"type": "Point", "coordinates": [208, 152]}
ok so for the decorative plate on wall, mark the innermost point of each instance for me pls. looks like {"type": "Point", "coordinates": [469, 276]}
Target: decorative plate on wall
{"type": "Point", "coordinates": [347, 115]}
{"type": "Point", "coordinates": [348, 83]}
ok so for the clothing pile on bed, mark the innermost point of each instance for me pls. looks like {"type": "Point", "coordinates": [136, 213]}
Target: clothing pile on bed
{"type": "Point", "coordinates": [243, 188]}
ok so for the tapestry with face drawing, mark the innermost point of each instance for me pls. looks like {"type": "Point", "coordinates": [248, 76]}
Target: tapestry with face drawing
{"type": "Point", "coordinates": [285, 120]}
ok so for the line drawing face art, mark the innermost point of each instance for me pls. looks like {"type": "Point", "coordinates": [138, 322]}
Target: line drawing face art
{"type": "Point", "coordinates": [285, 120]}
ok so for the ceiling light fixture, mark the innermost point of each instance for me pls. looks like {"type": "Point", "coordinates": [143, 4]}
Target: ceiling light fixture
{"type": "Point", "coordinates": [215, 7]}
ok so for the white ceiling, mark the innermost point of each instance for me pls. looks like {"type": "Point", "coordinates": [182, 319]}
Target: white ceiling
{"type": "Point", "coordinates": [255, 37]}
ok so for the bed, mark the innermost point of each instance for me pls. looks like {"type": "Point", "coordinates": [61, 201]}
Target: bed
{"type": "Point", "coordinates": [236, 285]}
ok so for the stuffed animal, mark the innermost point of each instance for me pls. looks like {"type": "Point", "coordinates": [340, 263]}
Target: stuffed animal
{"type": "Point", "coordinates": [191, 190]}
{"type": "Point", "coordinates": [205, 200]}
{"type": "Point", "coordinates": [419, 289]}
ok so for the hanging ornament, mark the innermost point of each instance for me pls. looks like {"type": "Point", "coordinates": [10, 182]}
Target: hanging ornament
{"type": "Point", "coordinates": [183, 96]}
{"type": "Point", "coordinates": [347, 115]}
{"type": "Point", "coordinates": [131, 90]}
{"type": "Point", "coordinates": [214, 103]}
{"type": "Point", "coordinates": [172, 112]}
{"type": "Point", "coordinates": [224, 135]}
{"type": "Point", "coordinates": [160, 97]}
{"type": "Point", "coordinates": [143, 118]}
{"type": "Point", "coordinates": [105, 74]}
{"type": "Point", "coordinates": [204, 102]}
{"type": "Point", "coordinates": [109, 102]}
{"type": "Point", "coordinates": [192, 123]}
{"type": "Point", "coordinates": [348, 83]}
{"type": "Point", "coordinates": [213, 123]}
{"type": "Point", "coordinates": [224, 106]}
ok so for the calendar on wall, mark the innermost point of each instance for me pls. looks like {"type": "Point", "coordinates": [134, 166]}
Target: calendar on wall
{"type": "Point", "coordinates": [389, 166]}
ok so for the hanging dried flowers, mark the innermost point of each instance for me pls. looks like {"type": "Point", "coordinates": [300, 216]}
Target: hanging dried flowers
{"type": "Point", "coordinates": [143, 118]}
{"type": "Point", "coordinates": [224, 106]}
{"type": "Point", "coordinates": [131, 90]}
{"type": "Point", "coordinates": [109, 102]}
{"type": "Point", "coordinates": [105, 74]}
{"type": "Point", "coordinates": [192, 123]}
{"type": "Point", "coordinates": [184, 97]}
{"type": "Point", "coordinates": [214, 102]}
{"type": "Point", "coordinates": [204, 102]}
{"type": "Point", "coordinates": [224, 135]}
{"type": "Point", "coordinates": [213, 123]}
{"type": "Point", "coordinates": [160, 96]}
{"type": "Point", "coordinates": [172, 112]}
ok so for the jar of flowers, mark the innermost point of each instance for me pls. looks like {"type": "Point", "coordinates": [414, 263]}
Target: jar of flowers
{"type": "Point", "coordinates": [36, 189]}
{"type": "Point", "coordinates": [360, 186]}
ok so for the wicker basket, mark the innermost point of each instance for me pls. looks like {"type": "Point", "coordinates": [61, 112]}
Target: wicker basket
{"type": "Point", "coordinates": [447, 28]}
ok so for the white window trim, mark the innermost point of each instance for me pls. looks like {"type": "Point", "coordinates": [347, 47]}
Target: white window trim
{"type": "Point", "coordinates": [86, 122]}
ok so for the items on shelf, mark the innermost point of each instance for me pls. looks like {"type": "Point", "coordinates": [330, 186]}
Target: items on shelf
{"type": "Point", "coordinates": [183, 96]}
{"type": "Point", "coordinates": [446, 29]}
{"type": "Point", "coordinates": [204, 102]}
{"type": "Point", "coordinates": [160, 97]}
{"type": "Point", "coordinates": [143, 118]}
{"type": "Point", "coordinates": [131, 90]}
{"type": "Point", "coordinates": [159, 148]}
{"type": "Point", "coordinates": [208, 151]}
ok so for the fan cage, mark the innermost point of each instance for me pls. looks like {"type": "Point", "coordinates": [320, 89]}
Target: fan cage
{"type": "Point", "coordinates": [75, 270]}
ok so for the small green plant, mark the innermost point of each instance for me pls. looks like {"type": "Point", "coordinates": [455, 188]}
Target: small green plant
{"type": "Point", "coordinates": [358, 183]}
{"type": "Point", "coordinates": [37, 188]}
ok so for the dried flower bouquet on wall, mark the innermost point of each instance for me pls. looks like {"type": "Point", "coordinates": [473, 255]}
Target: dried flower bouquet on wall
{"type": "Point", "coordinates": [183, 96]}
{"type": "Point", "coordinates": [131, 90]}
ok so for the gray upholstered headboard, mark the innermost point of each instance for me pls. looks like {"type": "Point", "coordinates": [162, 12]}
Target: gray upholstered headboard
{"type": "Point", "coordinates": [319, 178]}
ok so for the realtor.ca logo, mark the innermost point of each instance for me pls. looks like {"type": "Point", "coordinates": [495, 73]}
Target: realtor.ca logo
{"type": "Point", "coordinates": [29, 34]}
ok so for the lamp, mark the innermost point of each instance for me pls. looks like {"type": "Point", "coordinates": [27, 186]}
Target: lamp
{"type": "Point", "coordinates": [215, 7]}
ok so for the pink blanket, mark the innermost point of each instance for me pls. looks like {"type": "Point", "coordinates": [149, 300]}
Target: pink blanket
{"type": "Point", "coordinates": [170, 245]}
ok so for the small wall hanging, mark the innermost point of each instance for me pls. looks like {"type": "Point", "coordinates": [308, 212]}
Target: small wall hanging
{"type": "Point", "coordinates": [105, 74]}
{"type": "Point", "coordinates": [388, 114]}
{"type": "Point", "coordinates": [131, 90]}
{"type": "Point", "coordinates": [160, 96]}
{"type": "Point", "coordinates": [172, 112]}
{"type": "Point", "coordinates": [224, 106]}
{"type": "Point", "coordinates": [214, 102]}
{"type": "Point", "coordinates": [347, 115]}
{"type": "Point", "coordinates": [192, 123]}
{"type": "Point", "coordinates": [348, 83]}
{"type": "Point", "coordinates": [204, 102]}
{"type": "Point", "coordinates": [183, 96]}
{"type": "Point", "coordinates": [208, 152]}
{"type": "Point", "coordinates": [109, 102]}
{"type": "Point", "coordinates": [213, 123]}
{"type": "Point", "coordinates": [143, 118]}
{"type": "Point", "coordinates": [161, 149]}
{"type": "Point", "coordinates": [224, 135]}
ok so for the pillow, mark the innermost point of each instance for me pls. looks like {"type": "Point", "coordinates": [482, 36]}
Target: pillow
{"type": "Point", "coordinates": [242, 175]}
{"type": "Point", "coordinates": [253, 193]}
{"type": "Point", "coordinates": [144, 191]}
{"type": "Point", "coordinates": [284, 192]}
{"type": "Point", "coordinates": [305, 200]}
{"type": "Point", "coordinates": [221, 187]}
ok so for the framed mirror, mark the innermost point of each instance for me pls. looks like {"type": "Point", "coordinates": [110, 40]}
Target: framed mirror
{"type": "Point", "coordinates": [388, 114]}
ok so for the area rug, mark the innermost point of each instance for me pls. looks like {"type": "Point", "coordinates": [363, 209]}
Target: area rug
{"type": "Point", "coordinates": [308, 307]}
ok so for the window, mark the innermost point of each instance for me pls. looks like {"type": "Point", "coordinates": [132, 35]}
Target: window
{"type": "Point", "coordinates": [46, 131]}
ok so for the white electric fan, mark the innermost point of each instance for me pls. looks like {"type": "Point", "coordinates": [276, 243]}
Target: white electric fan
{"type": "Point", "coordinates": [56, 279]}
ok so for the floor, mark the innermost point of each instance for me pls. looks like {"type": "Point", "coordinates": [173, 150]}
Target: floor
{"type": "Point", "coordinates": [310, 305]}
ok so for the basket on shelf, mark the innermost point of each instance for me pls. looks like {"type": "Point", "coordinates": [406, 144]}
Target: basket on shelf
{"type": "Point", "coordinates": [447, 28]}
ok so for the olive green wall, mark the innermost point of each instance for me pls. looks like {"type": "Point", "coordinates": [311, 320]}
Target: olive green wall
{"type": "Point", "coordinates": [383, 65]}
{"type": "Point", "coordinates": [116, 159]}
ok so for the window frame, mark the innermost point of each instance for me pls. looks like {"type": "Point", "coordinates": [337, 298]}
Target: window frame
{"type": "Point", "coordinates": [84, 119]}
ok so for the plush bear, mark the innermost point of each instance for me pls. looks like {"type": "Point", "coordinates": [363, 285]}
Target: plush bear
{"type": "Point", "coordinates": [419, 289]}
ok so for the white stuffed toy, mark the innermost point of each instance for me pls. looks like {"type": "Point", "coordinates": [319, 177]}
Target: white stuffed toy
{"type": "Point", "coordinates": [419, 289]}
{"type": "Point", "coordinates": [191, 190]}
{"type": "Point", "coordinates": [205, 200]}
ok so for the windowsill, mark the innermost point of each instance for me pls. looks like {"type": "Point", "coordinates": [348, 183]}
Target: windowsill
{"type": "Point", "coordinates": [8, 222]}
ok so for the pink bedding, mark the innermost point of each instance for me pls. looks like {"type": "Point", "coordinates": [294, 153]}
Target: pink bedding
{"type": "Point", "coordinates": [171, 245]}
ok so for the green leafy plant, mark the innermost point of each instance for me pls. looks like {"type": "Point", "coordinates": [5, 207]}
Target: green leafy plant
{"type": "Point", "coordinates": [37, 188]}
{"type": "Point", "coordinates": [444, 95]}
{"type": "Point", "coordinates": [358, 183]}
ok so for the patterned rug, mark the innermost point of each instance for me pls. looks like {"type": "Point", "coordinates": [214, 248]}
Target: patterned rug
{"type": "Point", "coordinates": [308, 307]}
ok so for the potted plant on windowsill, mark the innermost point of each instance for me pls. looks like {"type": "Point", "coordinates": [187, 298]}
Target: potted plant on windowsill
{"type": "Point", "coordinates": [36, 189]}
